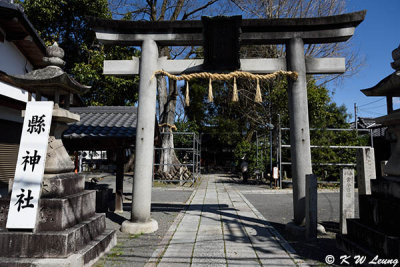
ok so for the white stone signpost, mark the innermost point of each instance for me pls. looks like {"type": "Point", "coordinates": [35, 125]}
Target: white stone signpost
{"type": "Point", "coordinates": [346, 198]}
{"type": "Point", "coordinates": [365, 169]}
{"type": "Point", "coordinates": [30, 165]}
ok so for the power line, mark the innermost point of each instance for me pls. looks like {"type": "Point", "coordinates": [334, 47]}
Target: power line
{"type": "Point", "coordinates": [371, 112]}
{"type": "Point", "coordinates": [371, 102]}
{"type": "Point", "coordinates": [376, 107]}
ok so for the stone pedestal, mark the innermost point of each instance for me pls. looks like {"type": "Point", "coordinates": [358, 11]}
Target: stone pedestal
{"type": "Point", "coordinates": [311, 206]}
{"type": "Point", "coordinates": [68, 230]}
{"type": "Point", "coordinates": [377, 231]}
{"type": "Point", "coordinates": [392, 167]}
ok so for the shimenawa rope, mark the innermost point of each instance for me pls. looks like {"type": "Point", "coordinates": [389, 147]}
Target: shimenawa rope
{"type": "Point", "coordinates": [170, 126]}
{"type": "Point", "coordinates": [227, 76]}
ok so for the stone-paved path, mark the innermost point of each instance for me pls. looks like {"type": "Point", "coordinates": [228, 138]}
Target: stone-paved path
{"type": "Point", "coordinates": [221, 228]}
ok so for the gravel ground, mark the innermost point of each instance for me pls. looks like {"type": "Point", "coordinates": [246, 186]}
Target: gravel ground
{"type": "Point", "coordinates": [135, 250]}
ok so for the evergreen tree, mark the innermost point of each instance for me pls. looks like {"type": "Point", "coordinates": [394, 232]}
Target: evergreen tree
{"type": "Point", "coordinates": [66, 22]}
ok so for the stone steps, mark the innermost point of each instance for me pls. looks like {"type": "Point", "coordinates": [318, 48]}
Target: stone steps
{"type": "Point", "coordinates": [373, 239]}
{"type": "Point", "coordinates": [352, 248]}
{"type": "Point", "coordinates": [377, 211]}
{"type": "Point", "coordinates": [86, 256]}
{"type": "Point", "coordinates": [377, 231]}
{"type": "Point", "coordinates": [387, 187]}
{"type": "Point", "coordinates": [51, 244]}
{"type": "Point", "coordinates": [98, 247]}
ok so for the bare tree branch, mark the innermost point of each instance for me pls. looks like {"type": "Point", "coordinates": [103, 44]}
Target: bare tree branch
{"type": "Point", "coordinates": [177, 10]}
{"type": "Point", "coordinates": [163, 9]}
{"type": "Point", "coordinates": [187, 15]}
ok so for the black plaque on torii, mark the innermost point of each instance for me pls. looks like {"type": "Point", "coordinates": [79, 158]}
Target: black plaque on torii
{"type": "Point", "coordinates": [221, 43]}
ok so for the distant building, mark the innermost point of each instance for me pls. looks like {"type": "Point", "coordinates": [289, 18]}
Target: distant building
{"type": "Point", "coordinates": [380, 139]}
{"type": "Point", "coordinates": [105, 128]}
{"type": "Point", "coordinates": [370, 123]}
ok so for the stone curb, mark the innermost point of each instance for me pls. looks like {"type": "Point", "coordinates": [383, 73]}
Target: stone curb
{"type": "Point", "coordinates": [284, 244]}
{"type": "Point", "coordinates": [284, 191]}
{"type": "Point", "coordinates": [173, 188]}
{"type": "Point", "coordinates": [163, 245]}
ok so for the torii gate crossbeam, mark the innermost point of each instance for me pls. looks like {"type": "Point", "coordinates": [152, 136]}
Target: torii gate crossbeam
{"type": "Point", "coordinates": [294, 33]}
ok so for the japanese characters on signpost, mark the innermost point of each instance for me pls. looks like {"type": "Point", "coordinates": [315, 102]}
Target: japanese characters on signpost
{"type": "Point", "coordinates": [30, 165]}
{"type": "Point", "coordinates": [346, 198]}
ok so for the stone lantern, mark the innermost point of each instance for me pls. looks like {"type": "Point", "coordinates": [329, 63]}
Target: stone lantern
{"type": "Point", "coordinates": [53, 83]}
{"type": "Point", "coordinates": [377, 232]}
{"type": "Point", "coordinates": [67, 228]}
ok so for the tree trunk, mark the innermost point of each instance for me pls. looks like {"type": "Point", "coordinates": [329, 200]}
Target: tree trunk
{"type": "Point", "coordinates": [167, 105]}
{"type": "Point", "coordinates": [129, 166]}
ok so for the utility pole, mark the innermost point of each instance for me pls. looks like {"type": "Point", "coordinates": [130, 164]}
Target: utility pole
{"type": "Point", "coordinates": [355, 116]}
{"type": "Point", "coordinates": [257, 150]}
{"type": "Point", "coordinates": [280, 150]}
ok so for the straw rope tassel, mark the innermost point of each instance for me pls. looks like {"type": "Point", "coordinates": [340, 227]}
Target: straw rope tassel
{"type": "Point", "coordinates": [235, 97]}
{"type": "Point", "coordinates": [187, 102]}
{"type": "Point", "coordinates": [210, 93]}
{"type": "Point", "coordinates": [258, 98]}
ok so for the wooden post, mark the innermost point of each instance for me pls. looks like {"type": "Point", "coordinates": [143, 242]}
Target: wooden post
{"type": "Point", "coordinates": [119, 182]}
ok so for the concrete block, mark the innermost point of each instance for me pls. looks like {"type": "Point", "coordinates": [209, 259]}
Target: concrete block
{"type": "Point", "coordinates": [311, 206]}
{"type": "Point", "coordinates": [139, 227]}
{"type": "Point", "coordinates": [365, 170]}
{"type": "Point", "coordinates": [60, 185]}
{"type": "Point", "coordinates": [346, 198]}
{"type": "Point", "coordinates": [203, 255]}
{"type": "Point", "coordinates": [56, 214]}
{"type": "Point", "coordinates": [51, 244]}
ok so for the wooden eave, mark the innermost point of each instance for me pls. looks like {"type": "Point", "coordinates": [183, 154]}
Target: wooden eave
{"type": "Point", "coordinates": [389, 86]}
{"type": "Point", "coordinates": [21, 32]}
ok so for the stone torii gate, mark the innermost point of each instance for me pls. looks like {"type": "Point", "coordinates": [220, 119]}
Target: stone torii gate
{"type": "Point", "coordinates": [293, 33]}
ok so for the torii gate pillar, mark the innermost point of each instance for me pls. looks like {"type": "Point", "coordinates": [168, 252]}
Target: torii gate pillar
{"type": "Point", "coordinates": [292, 32]}
{"type": "Point", "coordinates": [299, 127]}
{"type": "Point", "coordinates": [141, 221]}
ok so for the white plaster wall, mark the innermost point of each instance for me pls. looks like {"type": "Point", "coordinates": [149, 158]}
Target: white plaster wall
{"type": "Point", "coordinates": [12, 60]}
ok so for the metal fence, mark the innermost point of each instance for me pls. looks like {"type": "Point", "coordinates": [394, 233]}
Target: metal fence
{"type": "Point", "coordinates": [187, 148]}
{"type": "Point", "coordinates": [348, 164]}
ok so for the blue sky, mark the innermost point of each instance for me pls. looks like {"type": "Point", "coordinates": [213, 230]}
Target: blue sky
{"type": "Point", "coordinates": [374, 38]}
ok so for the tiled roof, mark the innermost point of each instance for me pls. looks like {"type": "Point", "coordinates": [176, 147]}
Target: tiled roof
{"type": "Point", "coordinates": [369, 123]}
{"type": "Point", "coordinates": [103, 122]}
